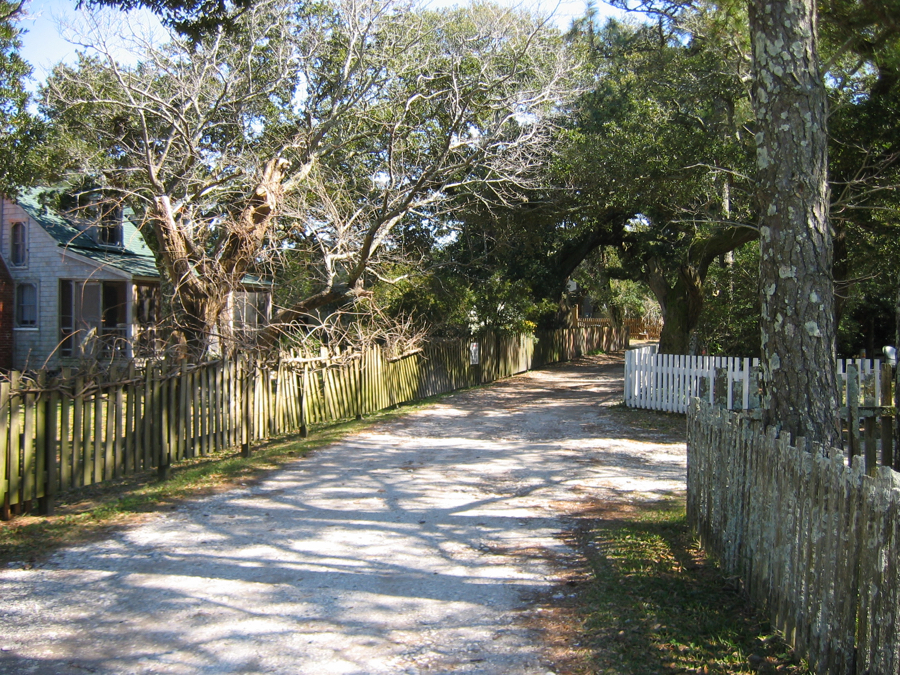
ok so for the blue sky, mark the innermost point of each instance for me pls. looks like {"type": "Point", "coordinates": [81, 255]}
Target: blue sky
{"type": "Point", "coordinates": [41, 44]}
{"type": "Point", "coordinates": [43, 47]}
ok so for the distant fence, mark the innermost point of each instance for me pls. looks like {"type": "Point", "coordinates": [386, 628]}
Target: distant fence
{"type": "Point", "coordinates": [69, 431]}
{"type": "Point", "coordinates": [817, 543]}
{"type": "Point", "coordinates": [642, 329]}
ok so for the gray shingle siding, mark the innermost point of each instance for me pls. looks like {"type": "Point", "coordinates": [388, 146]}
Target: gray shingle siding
{"type": "Point", "coordinates": [47, 262]}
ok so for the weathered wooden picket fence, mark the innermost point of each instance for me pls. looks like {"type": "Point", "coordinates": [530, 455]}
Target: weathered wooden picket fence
{"type": "Point", "coordinates": [69, 431]}
{"type": "Point", "coordinates": [668, 382]}
{"type": "Point", "coordinates": [815, 541]}
{"type": "Point", "coordinates": [645, 329]}
{"type": "Point", "coordinates": [868, 411]}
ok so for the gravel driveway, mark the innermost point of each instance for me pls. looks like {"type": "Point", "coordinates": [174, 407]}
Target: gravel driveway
{"type": "Point", "coordinates": [418, 546]}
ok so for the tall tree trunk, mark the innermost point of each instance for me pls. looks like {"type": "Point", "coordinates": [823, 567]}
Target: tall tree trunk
{"type": "Point", "coordinates": [897, 374]}
{"type": "Point", "coordinates": [797, 322]}
{"type": "Point", "coordinates": [683, 307]}
{"type": "Point", "coordinates": [682, 304]}
{"type": "Point", "coordinates": [201, 279]}
{"type": "Point", "coordinates": [198, 322]}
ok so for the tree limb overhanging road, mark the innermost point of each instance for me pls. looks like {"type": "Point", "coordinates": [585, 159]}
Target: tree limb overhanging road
{"type": "Point", "coordinates": [421, 545]}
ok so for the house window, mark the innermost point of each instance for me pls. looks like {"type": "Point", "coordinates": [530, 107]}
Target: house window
{"type": "Point", "coordinates": [18, 245]}
{"type": "Point", "coordinates": [109, 226]}
{"type": "Point", "coordinates": [66, 317]}
{"type": "Point", "coordinates": [146, 317]}
{"type": "Point", "coordinates": [92, 318]}
{"type": "Point", "coordinates": [26, 305]}
{"type": "Point", "coordinates": [113, 314]}
{"type": "Point", "coordinates": [251, 311]}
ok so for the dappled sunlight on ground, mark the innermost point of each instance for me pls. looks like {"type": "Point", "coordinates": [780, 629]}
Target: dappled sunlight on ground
{"type": "Point", "coordinates": [415, 547]}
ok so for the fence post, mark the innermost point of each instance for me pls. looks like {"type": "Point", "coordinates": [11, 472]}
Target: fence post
{"type": "Point", "coordinates": [5, 510]}
{"type": "Point", "coordinates": [40, 441]}
{"type": "Point", "coordinates": [46, 504]}
{"type": "Point", "coordinates": [359, 385]}
{"type": "Point", "coordinates": [720, 387]}
{"type": "Point", "coordinates": [753, 385]}
{"type": "Point", "coordinates": [161, 403]}
{"type": "Point", "coordinates": [248, 408]}
{"type": "Point", "coordinates": [304, 402]}
{"type": "Point", "coordinates": [870, 452]}
{"type": "Point", "coordinates": [853, 410]}
{"type": "Point", "coordinates": [629, 376]}
{"type": "Point", "coordinates": [897, 414]}
{"type": "Point", "coordinates": [887, 440]}
{"type": "Point", "coordinates": [185, 439]}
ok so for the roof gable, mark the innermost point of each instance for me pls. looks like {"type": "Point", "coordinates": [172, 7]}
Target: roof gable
{"type": "Point", "coordinates": [133, 257]}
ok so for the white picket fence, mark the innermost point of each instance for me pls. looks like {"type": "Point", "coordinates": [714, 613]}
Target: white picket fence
{"type": "Point", "coordinates": [669, 381]}
{"type": "Point", "coordinates": [870, 374]}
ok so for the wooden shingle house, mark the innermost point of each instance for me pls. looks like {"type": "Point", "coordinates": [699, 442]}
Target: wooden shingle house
{"type": "Point", "coordinates": [83, 289]}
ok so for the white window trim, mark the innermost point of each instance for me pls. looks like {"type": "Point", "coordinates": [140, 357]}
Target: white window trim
{"type": "Point", "coordinates": [37, 306]}
{"type": "Point", "coordinates": [25, 231]}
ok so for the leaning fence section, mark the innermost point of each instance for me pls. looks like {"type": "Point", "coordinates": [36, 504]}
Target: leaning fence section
{"type": "Point", "coordinates": [69, 430]}
{"type": "Point", "coordinates": [640, 329]}
{"type": "Point", "coordinates": [815, 541]}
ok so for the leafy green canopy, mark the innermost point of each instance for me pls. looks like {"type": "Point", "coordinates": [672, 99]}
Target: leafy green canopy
{"type": "Point", "coordinates": [19, 129]}
{"type": "Point", "coordinates": [192, 18]}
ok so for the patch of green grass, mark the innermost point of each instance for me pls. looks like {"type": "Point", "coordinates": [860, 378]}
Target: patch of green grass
{"type": "Point", "coordinates": [652, 421]}
{"type": "Point", "coordinates": [88, 513]}
{"type": "Point", "coordinates": [656, 604]}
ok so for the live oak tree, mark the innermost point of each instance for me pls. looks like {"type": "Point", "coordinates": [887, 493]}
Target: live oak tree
{"type": "Point", "coordinates": [796, 250]}
{"type": "Point", "coordinates": [183, 138]}
{"type": "Point", "coordinates": [651, 159]}
{"type": "Point", "coordinates": [468, 112]}
{"type": "Point", "coordinates": [661, 144]}
{"type": "Point", "coordinates": [307, 129]}
{"type": "Point", "coordinates": [863, 56]}
{"type": "Point", "coordinates": [864, 173]}
{"type": "Point", "coordinates": [861, 46]}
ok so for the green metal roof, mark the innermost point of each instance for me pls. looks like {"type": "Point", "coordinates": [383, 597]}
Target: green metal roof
{"type": "Point", "coordinates": [134, 257]}
{"type": "Point", "coordinates": [253, 280]}
{"type": "Point", "coordinates": [135, 265]}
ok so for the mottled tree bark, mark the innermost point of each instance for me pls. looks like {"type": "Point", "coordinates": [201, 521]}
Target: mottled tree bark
{"type": "Point", "coordinates": [797, 323]}
{"type": "Point", "coordinates": [684, 304]}
{"type": "Point", "coordinates": [897, 371]}
{"type": "Point", "coordinates": [202, 279]}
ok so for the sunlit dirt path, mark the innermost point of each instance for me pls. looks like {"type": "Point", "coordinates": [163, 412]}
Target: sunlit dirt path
{"type": "Point", "coordinates": [419, 546]}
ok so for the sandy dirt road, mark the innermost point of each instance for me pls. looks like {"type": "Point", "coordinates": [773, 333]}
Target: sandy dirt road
{"type": "Point", "coordinates": [418, 546]}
